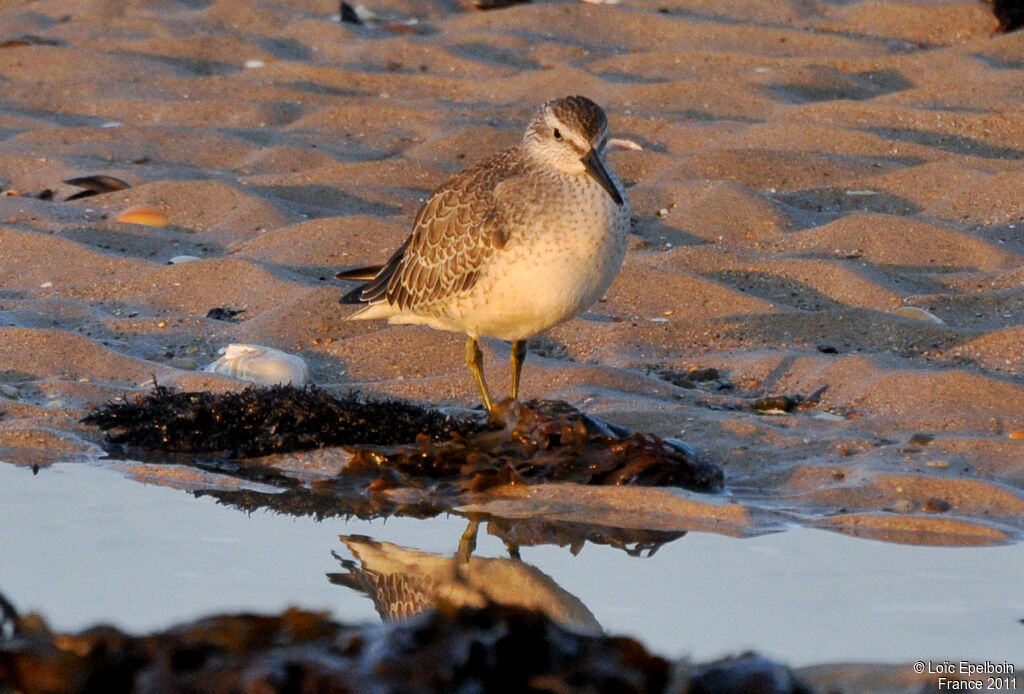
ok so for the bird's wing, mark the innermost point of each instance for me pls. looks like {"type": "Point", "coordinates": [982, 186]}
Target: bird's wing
{"type": "Point", "coordinates": [454, 234]}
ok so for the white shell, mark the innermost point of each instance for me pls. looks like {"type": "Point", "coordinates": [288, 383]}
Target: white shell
{"type": "Point", "coordinates": [918, 314]}
{"type": "Point", "coordinates": [621, 143]}
{"type": "Point", "coordinates": [262, 365]}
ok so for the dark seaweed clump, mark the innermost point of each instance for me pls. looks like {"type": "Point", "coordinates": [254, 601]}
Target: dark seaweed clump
{"type": "Point", "coordinates": [1010, 14]}
{"type": "Point", "coordinates": [544, 442]}
{"type": "Point", "coordinates": [264, 420]}
{"type": "Point", "coordinates": [491, 649]}
{"type": "Point", "coordinates": [397, 444]}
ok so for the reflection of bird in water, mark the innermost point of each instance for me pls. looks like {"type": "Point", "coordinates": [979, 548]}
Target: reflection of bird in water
{"type": "Point", "coordinates": [402, 583]}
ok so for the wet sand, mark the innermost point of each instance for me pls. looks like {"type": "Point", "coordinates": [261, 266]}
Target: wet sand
{"type": "Point", "coordinates": [827, 206]}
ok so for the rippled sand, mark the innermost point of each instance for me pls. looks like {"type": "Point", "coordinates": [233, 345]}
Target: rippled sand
{"type": "Point", "coordinates": [828, 205]}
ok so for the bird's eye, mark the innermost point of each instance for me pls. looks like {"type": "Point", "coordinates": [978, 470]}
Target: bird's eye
{"type": "Point", "coordinates": [558, 134]}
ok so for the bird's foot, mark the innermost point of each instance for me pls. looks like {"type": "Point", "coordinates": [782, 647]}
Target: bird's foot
{"type": "Point", "coordinates": [505, 413]}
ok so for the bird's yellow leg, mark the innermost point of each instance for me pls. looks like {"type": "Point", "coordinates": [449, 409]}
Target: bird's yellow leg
{"type": "Point", "coordinates": [467, 543]}
{"type": "Point", "coordinates": [475, 361]}
{"type": "Point", "coordinates": [517, 358]}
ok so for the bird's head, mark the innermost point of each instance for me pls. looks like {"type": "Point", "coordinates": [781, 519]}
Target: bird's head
{"type": "Point", "coordinates": [569, 135]}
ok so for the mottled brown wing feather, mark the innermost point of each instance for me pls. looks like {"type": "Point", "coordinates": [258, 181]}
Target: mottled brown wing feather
{"type": "Point", "coordinates": [376, 289]}
{"type": "Point", "coordinates": [454, 234]}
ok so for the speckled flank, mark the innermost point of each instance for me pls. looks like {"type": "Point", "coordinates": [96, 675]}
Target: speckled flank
{"type": "Point", "coordinates": [516, 244]}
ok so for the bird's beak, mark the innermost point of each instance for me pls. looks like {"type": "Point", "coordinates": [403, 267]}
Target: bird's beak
{"type": "Point", "coordinates": [595, 167]}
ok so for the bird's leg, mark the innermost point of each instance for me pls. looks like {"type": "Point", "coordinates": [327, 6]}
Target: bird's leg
{"type": "Point", "coordinates": [517, 358]}
{"type": "Point", "coordinates": [467, 543]}
{"type": "Point", "coordinates": [475, 360]}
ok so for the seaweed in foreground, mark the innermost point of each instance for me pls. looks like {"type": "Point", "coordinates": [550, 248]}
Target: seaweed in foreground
{"type": "Point", "coordinates": [495, 648]}
{"type": "Point", "coordinates": [396, 444]}
{"type": "Point", "coordinates": [541, 442]}
{"type": "Point", "coordinates": [430, 478]}
{"type": "Point", "coordinates": [264, 420]}
{"type": "Point", "coordinates": [1010, 14]}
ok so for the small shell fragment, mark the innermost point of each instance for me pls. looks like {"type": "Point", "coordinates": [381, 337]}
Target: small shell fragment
{"type": "Point", "coordinates": [262, 365]}
{"type": "Point", "coordinates": [495, 4]}
{"type": "Point", "coordinates": [95, 185]}
{"type": "Point", "coordinates": [179, 259]}
{"type": "Point", "coordinates": [621, 143]}
{"type": "Point", "coordinates": [358, 14]}
{"type": "Point", "coordinates": [918, 314]}
{"type": "Point", "coordinates": [144, 215]}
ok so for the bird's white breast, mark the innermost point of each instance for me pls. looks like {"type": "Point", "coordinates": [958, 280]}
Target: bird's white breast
{"type": "Point", "coordinates": [563, 252]}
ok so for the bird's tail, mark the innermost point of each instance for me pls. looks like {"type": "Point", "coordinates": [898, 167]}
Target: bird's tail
{"type": "Point", "coordinates": [376, 278]}
{"type": "Point", "coordinates": [358, 274]}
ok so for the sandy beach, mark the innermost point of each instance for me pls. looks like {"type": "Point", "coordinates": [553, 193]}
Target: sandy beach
{"type": "Point", "coordinates": [823, 293]}
{"type": "Point", "coordinates": [827, 206]}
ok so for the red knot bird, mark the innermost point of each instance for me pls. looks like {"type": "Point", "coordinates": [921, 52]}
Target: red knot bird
{"type": "Point", "coordinates": [513, 245]}
{"type": "Point", "coordinates": [404, 583]}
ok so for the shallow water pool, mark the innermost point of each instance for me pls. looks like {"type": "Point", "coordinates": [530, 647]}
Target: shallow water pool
{"type": "Point", "coordinates": [83, 544]}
